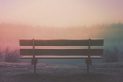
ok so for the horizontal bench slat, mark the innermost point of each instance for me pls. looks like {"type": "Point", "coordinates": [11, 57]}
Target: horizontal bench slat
{"type": "Point", "coordinates": [60, 57]}
{"type": "Point", "coordinates": [62, 52]}
{"type": "Point", "coordinates": [97, 42]}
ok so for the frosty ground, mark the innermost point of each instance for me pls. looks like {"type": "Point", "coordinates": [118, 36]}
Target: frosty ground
{"type": "Point", "coordinates": [23, 72]}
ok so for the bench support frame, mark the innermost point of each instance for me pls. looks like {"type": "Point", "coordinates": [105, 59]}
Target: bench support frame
{"type": "Point", "coordinates": [34, 60]}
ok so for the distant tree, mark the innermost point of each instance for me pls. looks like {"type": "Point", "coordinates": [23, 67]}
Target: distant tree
{"type": "Point", "coordinates": [116, 54]}
{"type": "Point", "coordinates": [112, 55]}
{"type": "Point", "coordinates": [11, 56]}
{"type": "Point", "coordinates": [1, 55]}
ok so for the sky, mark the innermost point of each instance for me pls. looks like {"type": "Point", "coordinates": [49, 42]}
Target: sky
{"type": "Point", "coordinates": [61, 13]}
{"type": "Point", "coordinates": [50, 19]}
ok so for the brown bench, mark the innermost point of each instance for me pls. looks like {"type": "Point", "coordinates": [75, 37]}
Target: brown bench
{"type": "Point", "coordinates": [70, 52]}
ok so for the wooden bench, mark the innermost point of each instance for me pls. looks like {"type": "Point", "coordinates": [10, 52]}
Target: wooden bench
{"type": "Point", "coordinates": [88, 53]}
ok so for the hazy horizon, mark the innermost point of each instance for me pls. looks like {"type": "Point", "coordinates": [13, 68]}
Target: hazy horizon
{"type": "Point", "coordinates": [11, 33]}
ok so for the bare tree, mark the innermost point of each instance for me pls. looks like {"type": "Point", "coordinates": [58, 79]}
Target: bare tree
{"type": "Point", "coordinates": [112, 55]}
{"type": "Point", "coordinates": [11, 56]}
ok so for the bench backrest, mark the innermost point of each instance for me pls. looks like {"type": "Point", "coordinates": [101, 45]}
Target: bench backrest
{"type": "Point", "coordinates": [62, 52]}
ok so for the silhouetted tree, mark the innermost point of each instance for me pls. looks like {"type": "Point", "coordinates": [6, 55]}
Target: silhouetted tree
{"type": "Point", "coordinates": [11, 56]}
{"type": "Point", "coordinates": [1, 55]}
{"type": "Point", "coordinates": [112, 55]}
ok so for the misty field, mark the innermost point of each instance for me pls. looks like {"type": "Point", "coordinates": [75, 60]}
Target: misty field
{"type": "Point", "coordinates": [23, 72]}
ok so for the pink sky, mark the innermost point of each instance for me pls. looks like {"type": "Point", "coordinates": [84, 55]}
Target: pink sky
{"type": "Point", "coordinates": [55, 19]}
{"type": "Point", "coordinates": [61, 13]}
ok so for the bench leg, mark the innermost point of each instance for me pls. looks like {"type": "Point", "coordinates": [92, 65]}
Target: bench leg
{"type": "Point", "coordinates": [88, 63]}
{"type": "Point", "coordinates": [34, 62]}
{"type": "Point", "coordinates": [88, 68]}
{"type": "Point", "coordinates": [34, 68]}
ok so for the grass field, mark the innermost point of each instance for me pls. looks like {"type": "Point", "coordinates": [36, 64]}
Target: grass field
{"type": "Point", "coordinates": [23, 72]}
